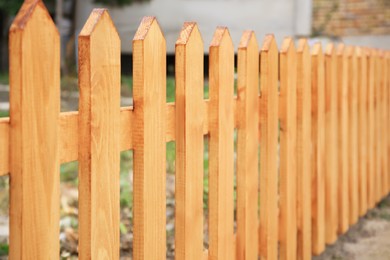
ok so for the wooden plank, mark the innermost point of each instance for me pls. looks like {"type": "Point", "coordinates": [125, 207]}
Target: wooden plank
{"type": "Point", "coordinates": [247, 146]}
{"type": "Point", "coordinates": [371, 128]}
{"type": "Point", "coordinates": [189, 144]}
{"type": "Point", "coordinates": [362, 128]}
{"type": "Point", "coordinates": [149, 63]}
{"type": "Point", "coordinates": [269, 128]}
{"type": "Point", "coordinates": [68, 136]}
{"type": "Point", "coordinates": [387, 87]}
{"type": "Point", "coordinates": [318, 141]}
{"type": "Point", "coordinates": [352, 135]}
{"type": "Point", "coordinates": [288, 165]}
{"type": "Point", "coordinates": [377, 126]}
{"type": "Point", "coordinates": [221, 161]}
{"type": "Point", "coordinates": [99, 121]}
{"type": "Point", "coordinates": [4, 146]}
{"type": "Point", "coordinates": [34, 49]}
{"type": "Point", "coordinates": [343, 139]}
{"type": "Point", "coordinates": [331, 146]}
{"type": "Point", "coordinates": [149, 141]}
{"type": "Point", "coordinates": [384, 127]}
{"type": "Point", "coordinates": [68, 132]}
{"type": "Point", "coordinates": [304, 150]}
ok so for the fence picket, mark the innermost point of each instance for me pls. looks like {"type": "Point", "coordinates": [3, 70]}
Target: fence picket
{"type": "Point", "coordinates": [221, 124]}
{"type": "Point", "coordinates": [377, 126]}
{"type": "Point", "coordinates": [362, 127]}
{"type": "Point", "coordinates": [352, 135]}
{"type": "Point", "coordinates": [318, 140]}
{"type": "Point", "coordinates": [342, 134]}
{"type": "Point", "coordinates": [387, 111]}
{"type": "Point", "coordinates": [149, 90]}
{"type": "Point", "coordinates": [99, 106]}
{"type": "Point", "coordinates": [269, 134]}
{"type": "Point", "coordinates": [304, 150]}
{"type": "Point", "coordinates": [189, 144]}
{"type": "Point", "coordinates": [288, 165]}
{"type": "Point", "coordinates": [331, 147]}
{"type": "Point", "coordinates": [371, 128]}
{"type": "Point", "coordinates": [247, 148]}
{"type": "Point", "coordinates": [34, 51]}
{"type": "Point", "coordinates": [384, 124]}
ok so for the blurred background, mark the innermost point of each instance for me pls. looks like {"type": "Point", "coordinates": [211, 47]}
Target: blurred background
{"type": "Point", "coordinates": [355, 22]}
{"type": "Point", "coordinates": [360, 22]}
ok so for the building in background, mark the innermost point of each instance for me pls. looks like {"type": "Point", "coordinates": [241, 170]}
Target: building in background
{"type": "Point", "coordinates": [358, 22]}
{"type": "Point", "coordinates": [355, 22]}
{"type": "Point", "coordinates": [280, 17]}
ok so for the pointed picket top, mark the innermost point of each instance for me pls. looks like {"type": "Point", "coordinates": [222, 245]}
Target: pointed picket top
{"type": "Point", "coordinates": [381, 53]}
{"type": "Point", "coordinates": [340, 50]}
{"type": "Point", "coordinates": [350, 51]}
{"type": "Point", "coordinates": [287, 45]}
{"type": "Point", "coordinates": [269, 44]}
{"type": "Point", "coordinates": [317, 49]}
{"type": "Point", "coordinates": [329, 50]}
{"type": "Point", "coordinates": [188, 32]}
{"type": "Point", "coordinates": [359, 52]}
{"type": "Point", "coordinates": [26, 12]}
{"type": "Point", "coordinates": [303, 45]}
{"type": "Point", "coordinates": [98, 16]}
{"type": "Point", "coordinates": [220, 34]}
{"type": "Point", "coordinates": [248, 39]}
{"type": "Point", "coordinates": [148, 24]}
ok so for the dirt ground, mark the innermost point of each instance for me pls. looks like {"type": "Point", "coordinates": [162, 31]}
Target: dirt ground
{"type": "Point", "coordinates": [369, 239]}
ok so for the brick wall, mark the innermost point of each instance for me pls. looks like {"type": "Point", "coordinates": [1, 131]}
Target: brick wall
{"type": "Point", "coordinates": [351, 17]}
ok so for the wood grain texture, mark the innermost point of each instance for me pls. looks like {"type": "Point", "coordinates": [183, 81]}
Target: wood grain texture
{"type": "Point", "coordinates": [362, 128]}
{"type": "Point", "coordinates": [377, 126]}
{"type": "Point", "coordinates": [387, 114]}
{"type": "Point", "coordinates": [384, 124]}
{"type": "Point", "coordinates": [269, 128]}
{"type": "Point", "coordinates": [149, 64]}
{"type": "Point", "coordinates": [352, 135]}
{"type": "Point", "coordinates": [343, 118]}
{"type": "Point", "coordinates": [318, 140]}
{"type": "Point", "coordinates": [99, 122]}
{"type": "Point", "coordinates": [68, 136]}
{"type": "Point", "coordinates": [247, 147]}
{"type": "Point", "coordinates": [371, 128]}
{"type": "Point", "coordinates": [4, 146]}
{"type": "Point", "coordinates": [34, 49]}
{"type": "Point", "coordinates": [221, 161]}
{"type": "Point", "coordinates": [304, 150]}
{"type": "Point", "coordinates": [331, 147]}
{"type": "Point", "coordinates": [288, 151]}
{"type": "Point", "coordinates": [189, 144]}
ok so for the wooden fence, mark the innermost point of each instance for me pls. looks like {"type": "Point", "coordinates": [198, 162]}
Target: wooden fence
{"type": "Point", "coordinates": [332, 108]}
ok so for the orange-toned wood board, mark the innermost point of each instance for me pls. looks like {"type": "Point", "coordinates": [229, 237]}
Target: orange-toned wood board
{"type": "Point", "coordinates": [269, 134]}
{"type": "Point", "coordinates": [99, 156]}
{"type": "Point", "coordinates": [362, 128]}
{"type": "Point", "coordinates": [343, 139]}
{"type": "Point", "coordinates": [331, 146]}
{"type": "Point", "coordinates": [34, 111]}
{"type": "Point", "coordinates": [247, 147]}
{"type": "Point", "coordinates": [148, 129]}
{"type": "Point", "coordinates": [304, 150]}
{"type": "Point", "coordinates": [189, 144]}
{"type": "Point", "coordinates": [288, 152]}
{"type": "Point", "coordinates": [221, 146]}
{"type": "Point", "coordinates": [318, 142]}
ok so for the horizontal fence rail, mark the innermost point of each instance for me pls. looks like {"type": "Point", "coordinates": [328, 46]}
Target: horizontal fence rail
{"type": "Point", "coordinates": [319, 116]}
